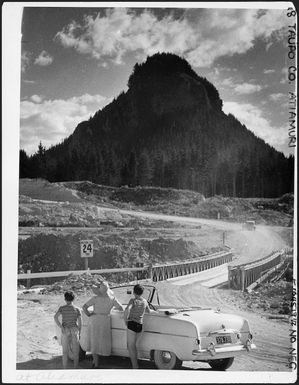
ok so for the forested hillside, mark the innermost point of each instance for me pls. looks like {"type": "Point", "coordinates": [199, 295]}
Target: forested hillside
{"type": "Point", "coordinates": [167, 130]}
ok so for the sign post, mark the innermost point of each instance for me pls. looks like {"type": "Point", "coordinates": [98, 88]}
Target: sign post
{"type": "Point", "coordinates": [28, 280]}
{"type": "Point", "coordinates": [223, 238]}
{"type": "Point", "coordinates": [86, 249]}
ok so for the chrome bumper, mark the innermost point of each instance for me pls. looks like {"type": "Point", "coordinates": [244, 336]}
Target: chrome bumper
{"type": "Point", "coordinates": [213, 352]}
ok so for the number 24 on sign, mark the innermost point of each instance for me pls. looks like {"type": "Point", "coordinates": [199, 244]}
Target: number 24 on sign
{"type": "Point", "coordinates": [86, 248]}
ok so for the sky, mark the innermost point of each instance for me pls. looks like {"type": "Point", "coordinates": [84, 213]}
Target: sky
{"type": "Point", "coordinates": [74, 61]}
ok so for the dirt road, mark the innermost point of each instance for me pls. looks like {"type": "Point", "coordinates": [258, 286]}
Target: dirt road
{"type": "Point", "coordinates": [247, 245]}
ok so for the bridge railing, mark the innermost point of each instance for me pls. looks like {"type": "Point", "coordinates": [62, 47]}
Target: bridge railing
{"type": "Point", "coordinates": [154, 272]}
{"type": "Point", "coordinates": [162, 272]}
{"type": "Point", "coordinates": [241, 277]}
{"type": "Point", "coordinates": [130, 272]}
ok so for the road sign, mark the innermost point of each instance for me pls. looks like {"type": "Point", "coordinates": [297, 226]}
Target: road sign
{"type": "Point", "coordinates": [86, 248]}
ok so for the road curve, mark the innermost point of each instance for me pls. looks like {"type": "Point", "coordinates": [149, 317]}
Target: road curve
{"type": "Point", "coordinates": [247, 245]}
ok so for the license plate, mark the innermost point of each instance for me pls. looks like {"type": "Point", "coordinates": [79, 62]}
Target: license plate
{"type": "Point", "coordinates": [224, 340]}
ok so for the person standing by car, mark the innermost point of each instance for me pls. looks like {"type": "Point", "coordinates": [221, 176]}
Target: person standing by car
{"type": "Point", "coordinates": [70, 328]}
{"type": "Point", "coordinates": [99, 330]}
{"type": "Point", "coordinates": [133, 317]}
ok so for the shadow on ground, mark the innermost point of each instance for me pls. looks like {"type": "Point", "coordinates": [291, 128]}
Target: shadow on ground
{"type": "Point", "coordinates": [111, 362]}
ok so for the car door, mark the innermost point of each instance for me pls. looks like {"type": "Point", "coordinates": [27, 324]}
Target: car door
{"type": "Point", "coordinates": [119, 333]}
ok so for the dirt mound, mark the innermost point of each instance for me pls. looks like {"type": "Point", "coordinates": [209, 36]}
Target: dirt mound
{"type": "Point", "coordinates": [275, 296]}
{"type": "Point", "coordinates": [272, 297]}
{"type": "Point", "coordinates": [153, 195]}
{"type": "Point", "coordinates": [90, 191]}
{"type": "Point", "coordinates": [61, 252]}
{"type": "Point", "coordinates": [272, 217]}
{"type": "Point", "coordinates": [262, 211]}
{"type": "Point", "coordinates": [276, 211]}
{"type": "Point", "coordinates": [49, 252]}
{"type": "Point", "coordinates": [61, 214]}
{"type": "Point", "coordinates": [134, 195]}
{"type": "Point", "coordinates": [283, 204]}
{"type": "Point", "coordinates": [166, 250]}
{"type": "Point", "coordinates": [287, 199]}
{"type": "Point", "coordinates": [226, 207]}
{"type": "Point", "coordinates": [82, 283]}
{"type": "Point", "coordinates": [44, 190]}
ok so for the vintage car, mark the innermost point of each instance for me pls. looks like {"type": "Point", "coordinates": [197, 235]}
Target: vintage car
{"type": "Point", "coordinates": [173, 335]}
{"type": "Point", "coordinates": [249, 225]}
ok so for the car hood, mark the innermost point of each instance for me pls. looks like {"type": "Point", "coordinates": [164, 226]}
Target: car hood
{"type": "Point", "coordinates": [210, 320]}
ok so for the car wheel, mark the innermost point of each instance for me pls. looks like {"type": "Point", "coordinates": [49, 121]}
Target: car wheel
{"type": "Point", "coordinates": [166, 360]}
{"type": "Point", "coordinates": [222, 364]}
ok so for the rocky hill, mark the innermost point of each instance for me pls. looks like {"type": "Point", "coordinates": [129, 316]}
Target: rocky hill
{"type": "Point", "coordinates": [167, 130]}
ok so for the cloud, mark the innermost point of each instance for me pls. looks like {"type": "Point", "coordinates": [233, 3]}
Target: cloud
{"type": "Point", "coordinates": [284, 78]}
{"type": "Point", "coordinates": [201, 35]}
{"type": "Point", "coordinates": [36, 98]}
{"type": "Point", "coordinates": [269, 71]}
{"type": "Point", "coordinates": [44, 59]}
{"type": "Point", "coordinates": [29, 81]}
{"type": "Point", "coordinates": [241, 89]}
{"type": "Point", "coordinates": [247, 88]}
{"type": "Point", "coordinates": [25, 60]}
{"type": "Point", "coordinates": [278, 97]}
{"type": "Point", "coordinates": [252, 117]}
{"type": "Point", "coordinates": [50, 121]}
{"type": "Point", "coordinates": [228, 82]}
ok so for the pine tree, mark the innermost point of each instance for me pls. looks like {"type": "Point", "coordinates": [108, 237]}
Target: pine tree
{"type": "Point", "coordinates": [24, 164]}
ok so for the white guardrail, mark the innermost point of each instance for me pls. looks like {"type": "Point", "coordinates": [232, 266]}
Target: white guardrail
{"type": "Point", "coordinates": [147, 268]}
{"type": "Point", "coordinates": [76, 272]}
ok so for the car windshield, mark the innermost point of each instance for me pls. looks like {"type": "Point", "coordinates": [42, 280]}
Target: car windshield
{"type": "Point", "coordinates": [125, 293]}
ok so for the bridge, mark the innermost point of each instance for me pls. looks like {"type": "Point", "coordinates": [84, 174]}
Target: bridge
{"type": "Point", "coordinates": [167, 271]}
{"type": "Point", "coordinates": [153, 272]}
{"type": "Point", "coordinates": [245, 276]}
{"type": "Point", "coordinates": [240, 277]}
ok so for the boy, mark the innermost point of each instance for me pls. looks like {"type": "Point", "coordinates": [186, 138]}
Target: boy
{"type": "Point", "coordinates": [70, 328]}
{"type": "Point", "coordinates": [133, 317]}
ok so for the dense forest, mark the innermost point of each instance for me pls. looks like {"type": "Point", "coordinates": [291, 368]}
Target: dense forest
{"type": "Point", "coordinates": [167, 130]}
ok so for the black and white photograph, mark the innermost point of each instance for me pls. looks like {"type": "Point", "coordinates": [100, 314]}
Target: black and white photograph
{"type": "Point", "coordinates": [149, 192]}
